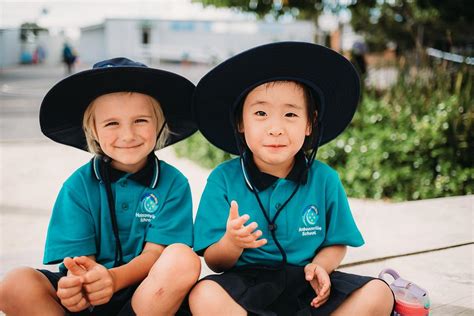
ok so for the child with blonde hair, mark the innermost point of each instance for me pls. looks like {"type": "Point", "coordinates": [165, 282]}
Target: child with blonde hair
{"type": "Point", "coordinates": [122, 224]}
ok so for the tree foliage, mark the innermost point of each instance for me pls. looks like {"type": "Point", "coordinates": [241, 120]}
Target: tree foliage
{"type": "Point", "coordinates": [307, 9]}
{"type": "Point", "coordinates": [408, 23]}
{"type": "Point", "coordinates": [415, 23]}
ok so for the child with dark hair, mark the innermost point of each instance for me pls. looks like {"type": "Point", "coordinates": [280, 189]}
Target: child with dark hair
{"type": "Point", "coordinates": [275, 221]}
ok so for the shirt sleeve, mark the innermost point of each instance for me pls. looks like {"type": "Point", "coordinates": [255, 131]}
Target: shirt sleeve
{"type": "Point", "coordinates": [174, 221]}
{"type": "Point", "coordinates": [211, 218]}
{"type": "Point", "coordinates": [341, 228]}
{"type": "Point", "coordinates": [71, 228]}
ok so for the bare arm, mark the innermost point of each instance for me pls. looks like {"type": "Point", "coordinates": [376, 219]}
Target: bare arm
{"type": "Point", "coordinates": [222, 255]}
{"type": "Point", "coordinates": [137, 269]}
{"type": "Point", "coordinates": [329, 258]}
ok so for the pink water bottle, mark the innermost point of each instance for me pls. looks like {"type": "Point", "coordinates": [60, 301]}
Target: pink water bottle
{"type": "Point", "coordinates": [410, 299]}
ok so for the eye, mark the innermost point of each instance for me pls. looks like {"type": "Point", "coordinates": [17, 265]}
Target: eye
{"type": "Point", "coordinates": [260, 113]}
{"type": "Point", "coordinates": [110, 124]}
{"type": "Point", "coordinates": [141, 120]}
{"type": "Point", "coordinates": [291, 115]}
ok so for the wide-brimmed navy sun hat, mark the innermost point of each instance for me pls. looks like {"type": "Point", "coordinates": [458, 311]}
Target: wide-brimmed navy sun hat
{"type": "Point", "coordinates": [331, 77]}
{"type": "Point", "coordinates": [63, 107]}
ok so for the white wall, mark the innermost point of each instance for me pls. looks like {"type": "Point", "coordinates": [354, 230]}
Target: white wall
{"type": "Point", "coordinates": [203, 41]}
{"type": "Point", "coordinates": [92, 45]}
{"type": "Point", "coordinates": [10, 47]}
{"type": "Point", "coordinates": [123, 39]}
{"type": "Point", "coordinates": [226, 38]}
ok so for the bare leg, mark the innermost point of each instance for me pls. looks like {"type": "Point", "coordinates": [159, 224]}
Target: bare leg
{"type": "Point", "coordinates": [25, 291]}
{"type": "Point", "coordinates": [374, 298]}
{"type": "Point", "coordinates": [209, 298]}
{"type": "Point", "coordinates": [169, 280]}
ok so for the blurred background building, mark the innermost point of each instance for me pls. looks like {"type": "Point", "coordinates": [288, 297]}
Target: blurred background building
{"type": "Point", "coordinates": [173, 31]}
{"type": "Point", "coordinates": [197, 41]}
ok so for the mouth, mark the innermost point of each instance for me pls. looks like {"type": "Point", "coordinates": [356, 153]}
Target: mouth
{"type": "Point", "coordinates": [275, 146]}
{"type": "Point", "coordinates": [128, 147]}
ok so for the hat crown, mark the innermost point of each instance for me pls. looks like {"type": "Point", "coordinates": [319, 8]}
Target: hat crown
{"type": "Point", "coordinates": [118, 62]}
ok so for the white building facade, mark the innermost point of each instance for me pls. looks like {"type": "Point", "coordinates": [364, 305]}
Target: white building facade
{"type": "Point", "coordinates": [10, 47]}
{"type": "Point", "coordinates": [203, 41]}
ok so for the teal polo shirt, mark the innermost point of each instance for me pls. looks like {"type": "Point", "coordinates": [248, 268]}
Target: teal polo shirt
{"type": "Point", "coordinates": [317, 216]}
{"type": "Point", "coordinates": [152, 205]}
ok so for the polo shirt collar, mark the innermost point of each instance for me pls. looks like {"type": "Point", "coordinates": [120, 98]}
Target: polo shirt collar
{"type": "Point", "coordinates": [262, 180]}
{"type": "Point", "coordinates": [147, 176]}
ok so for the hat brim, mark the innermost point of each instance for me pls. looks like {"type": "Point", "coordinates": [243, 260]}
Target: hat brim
{"type": "Point", "coordinates": [63, 107]}
{"type": "Point", "coordinates": [330, 75]}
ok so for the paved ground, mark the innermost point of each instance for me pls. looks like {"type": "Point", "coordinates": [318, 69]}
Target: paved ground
{"type": "Point", "coordinates": [429, 242]}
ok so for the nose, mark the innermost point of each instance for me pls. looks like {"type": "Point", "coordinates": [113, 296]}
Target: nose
{"type": "Point", "coordinates": [127, 132]}
{"type": "Point", "coordinates": [275, 128]}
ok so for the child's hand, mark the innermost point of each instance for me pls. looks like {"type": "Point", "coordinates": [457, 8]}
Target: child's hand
{"type": "Point", "coordinates": [70, 288]}
{"type": "Point", "coordinates": [238, 234]}
{"type": "Point", "coordinates": [319, 279]}
{"type": "Point", "coordinates": [73, 268]}
{"type": "Point", "coordinates": [99, 283]}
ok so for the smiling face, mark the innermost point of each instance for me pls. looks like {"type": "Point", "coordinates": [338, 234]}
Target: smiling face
{"type": "Point", "coordinates": [275, 124]}
{"type": "Point", "coordinates": [125, 128]}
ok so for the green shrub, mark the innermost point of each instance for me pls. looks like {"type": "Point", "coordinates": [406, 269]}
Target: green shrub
{"type": "Point", "coordinates": [413, 141]}
{"type": "Point", "coordinates": [197, 148]}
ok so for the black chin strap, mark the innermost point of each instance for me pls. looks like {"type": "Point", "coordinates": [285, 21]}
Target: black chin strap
{"type": "Point", "coordinates": [272, 226]}
{"type": "Point", "coordinates": [240, 142]}
{"type": "Point", "coordinates": [272, 221]}
{"type": "Point", "coordinates": [118, 261]}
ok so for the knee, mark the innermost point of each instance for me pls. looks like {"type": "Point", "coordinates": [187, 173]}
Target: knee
{"type": "Point", "coordinates": [202, 294]}
{"type": "Point", "coordinates": [181, 262]}
{"type": "Point", "coordinates": [209, 298]}
{"type": "Point", "coordinates": [12, 285]}
{"type": "Point", "coordinates": [18, 287]}
{"type": "Point", "coordinates": [382, 302]}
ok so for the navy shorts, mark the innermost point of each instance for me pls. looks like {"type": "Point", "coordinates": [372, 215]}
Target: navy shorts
{"type": "Point", "coordinates": [120, 304]}
{"type": "Point", "coordinates": [271, 291]}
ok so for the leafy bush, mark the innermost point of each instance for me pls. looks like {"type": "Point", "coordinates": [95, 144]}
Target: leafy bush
{"type": "Point", "coordinates": [412, 141]}
{"type": "Point", "coordinates": [197, 148]}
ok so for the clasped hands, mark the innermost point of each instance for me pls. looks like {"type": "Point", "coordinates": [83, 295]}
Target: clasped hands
{"type": "Point", "coordinates": [86, 284]}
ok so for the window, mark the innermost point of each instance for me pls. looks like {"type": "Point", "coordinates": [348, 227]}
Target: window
{"type": "Point", "coordinates": [146, 35]}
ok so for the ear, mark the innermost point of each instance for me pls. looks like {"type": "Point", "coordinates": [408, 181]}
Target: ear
{"type": "Point", "coordinates": [94, 137]}
{"type": "Point", "coordinates": [240, 127]}
{"type": "Point", "coordinates": [309, 127]}
{"type": "Point", "coordinates": [94, 130]}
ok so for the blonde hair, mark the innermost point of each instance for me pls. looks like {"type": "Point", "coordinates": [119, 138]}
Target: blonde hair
{"type": "Point", "coordinates": [88, 125]}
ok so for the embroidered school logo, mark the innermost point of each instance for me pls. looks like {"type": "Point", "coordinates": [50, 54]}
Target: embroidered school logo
{"type": "Point", "coordinates": [150, 203]}
{"type": "Point", "coordinates": [310, 218]}
{"type": "Point", "coordinates": [310, 215]}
